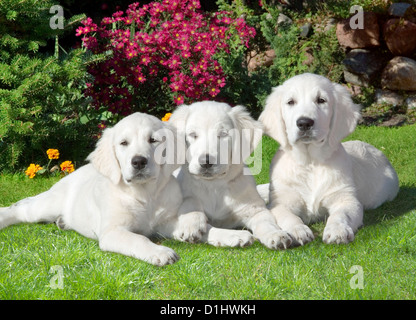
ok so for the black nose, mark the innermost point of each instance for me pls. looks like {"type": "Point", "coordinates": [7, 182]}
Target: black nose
{"type": "Point", "coordinates": [138, 162]}
{"type": "Point", "coordinates": [304, 124]}
{"type": "Point", "coordinates": [206, 161]}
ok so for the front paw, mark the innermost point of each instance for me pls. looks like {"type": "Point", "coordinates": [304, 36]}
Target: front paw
{"type": "Point", "coordinates": [338, 233]}
{"type": "Point", "coordinates": [191, 227]}
{"type": "Point", "coordinates": [162, 256]}
{"type": "Point", "coordinates": [278, 239]}
{"type": "Point", "coordinates": [230, 238]}
{"type": "Point", "coordinates": [301, 234]}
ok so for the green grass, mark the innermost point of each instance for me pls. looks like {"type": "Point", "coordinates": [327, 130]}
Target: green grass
{"type": "Point", "coordinates": [385, 249]}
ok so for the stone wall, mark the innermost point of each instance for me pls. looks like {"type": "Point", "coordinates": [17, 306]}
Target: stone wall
{"type": "Point", "coordinates": [383, 54]}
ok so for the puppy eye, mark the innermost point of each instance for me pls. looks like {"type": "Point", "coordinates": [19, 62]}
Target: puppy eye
{"type": "Point", "coordinates": [152, 140]}
{"type": "Point", "coordinates": [124, 143]}
{"type": "Point", "coordinates": [320, 100]}
{"type": "Point", "coordinates": [291, 102]}
{"type": "Point", "coordinates": [193, 135]}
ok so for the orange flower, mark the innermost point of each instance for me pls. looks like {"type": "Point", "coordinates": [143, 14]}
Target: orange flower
{"type": "Point", "coordinates": [53, 153]}
{"type": "Point", "coordinates": [167, 116]}
{"type": "Point", "coordinates": [32, 169]}
{"type": "Point", "coordinates": [67, 167]}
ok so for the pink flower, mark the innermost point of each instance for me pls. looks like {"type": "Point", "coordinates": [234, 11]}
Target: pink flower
{"type": "Point", "coordinates": [179, 100]}
{"type": "Point", "coordinates": [174, 62]}
{"type": "Point", "coordinates": [141, 78]}
{"type": "Point", "coordinates": [178, 16]}
{"type": "Point", "coordinates": [145, 60]}
{"type": "Point", "coordinates": [214, 91]}
{"type": "Point", "coordinates": [174, 86]}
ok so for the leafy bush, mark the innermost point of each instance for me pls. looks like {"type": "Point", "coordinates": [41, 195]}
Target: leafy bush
{"type": "Point", "coordinates": [161, 54]}
{"type": "Point", "coordinates": [41, 96]}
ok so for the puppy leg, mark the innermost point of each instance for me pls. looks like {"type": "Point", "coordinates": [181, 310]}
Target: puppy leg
{"type": "Point", "coordinates": [267, 232]}
{"type": "Point", "coordinates": [121, 240]}
{"type": "Point", "coordinates": [227, 237]}
{"type": "Point", "coordinates": [190, 227]}
{"type": "Point", "coordinates": [45, 207]}
{"type": "Point", "coordinates": [191, 223]}
{"type": "Point", "coordinates": [293, 224]}
{"type": "Point", "coordinates": [345, 217]}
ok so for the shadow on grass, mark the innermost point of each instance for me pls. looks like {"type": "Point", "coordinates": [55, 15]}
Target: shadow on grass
{"type": "Point", "coordinates": [401, 205]}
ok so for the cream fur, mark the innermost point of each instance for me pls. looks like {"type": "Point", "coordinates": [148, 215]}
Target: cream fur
{"type": "Point", "coordinates": [112, 201]}
{"type": "Point", "coordinates": [314, 176]}
{"type": "Point", "coordinates": [222, 194]}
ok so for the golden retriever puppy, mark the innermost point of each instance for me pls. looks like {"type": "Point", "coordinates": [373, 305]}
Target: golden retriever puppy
{"type": "Point", "coordinates": [314, 176]}
{"type": "Point", "coordinates": [217, 186]}
{"type": "Point", "coordinates": [125, 195]}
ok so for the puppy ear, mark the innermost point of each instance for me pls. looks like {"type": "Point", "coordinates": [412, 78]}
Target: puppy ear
{"type": "Point", "coordinates": [250, 129]}
{"type": "Point", "coordinates": [103, 158]}
{"type": "Point", "coordinates": [344, 117]}
{"type": "Point", "coordinates": [272, 118]}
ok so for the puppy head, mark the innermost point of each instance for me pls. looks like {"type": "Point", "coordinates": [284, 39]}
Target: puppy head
{"type": "Point", "coordinates": [309, 109]}
{"type": "Point", "coordinates": [217, 136]}
{"type": "Point", "coordinates": [133, 150]}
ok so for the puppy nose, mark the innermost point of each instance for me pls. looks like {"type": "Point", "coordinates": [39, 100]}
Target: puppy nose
{"type": "Point", "coordinates": [304, 123]}
{"type": "Point", "coordinates": [138, 162]}
{"type": "Point", "coordinates": [206, 161]}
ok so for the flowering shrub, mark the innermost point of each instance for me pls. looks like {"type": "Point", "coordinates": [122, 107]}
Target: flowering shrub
{"type": "Point", "coordinates": [159, 53]}
{"type": "Point", "coordinates": [53, 154]}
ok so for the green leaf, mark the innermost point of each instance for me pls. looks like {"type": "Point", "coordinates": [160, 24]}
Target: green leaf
{"type": "Point", "coordinates": [11, 15]}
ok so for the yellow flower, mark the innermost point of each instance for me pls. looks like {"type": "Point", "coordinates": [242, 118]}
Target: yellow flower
{"type": "Point", "coordinates": [167, 116]}
{"type": "Point", "coordinates": [67, 167]}
{"type": "Point", "coordinates": [32, 169]}
{"type": "Point", "coordinates": [53, 153]}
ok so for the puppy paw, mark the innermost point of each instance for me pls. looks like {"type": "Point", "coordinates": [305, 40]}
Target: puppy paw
{"type": "Point", "coordinates": [230, 238]}
{"type": "Point", "coordinates": [162, 256]}
{"type": "Point", "coordinates": [278, 239]}
{"type": "Point", "coordinates": [338, 233]}
{"type": "Point", "coordinates": [301, 234]}
{"type": "Point", "coordinates": [191, 227]}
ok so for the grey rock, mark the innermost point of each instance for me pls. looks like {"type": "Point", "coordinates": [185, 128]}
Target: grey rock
{"type": "Point", "coordinates": [362, 66]}
{"type": "Point", "coordinates": [283, 19]}
{"type": "Point", "coordinates": [355, 79]}
{"type": "Point", "coordinates": [411, 102]}
{"type": "Point", "coordinates": [395, 121]}
{"type": "Point", "coordinates": [305, 30]}
{"type": "Point", "coordinates": [389, 97]}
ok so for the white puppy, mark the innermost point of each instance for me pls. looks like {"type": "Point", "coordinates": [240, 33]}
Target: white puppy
{"type": "Point", "coordinates": [121, 198]}
{"type": "Point", "coordinates": [212, 180]}
{"type": "Point", "coordinates": [313, 175]}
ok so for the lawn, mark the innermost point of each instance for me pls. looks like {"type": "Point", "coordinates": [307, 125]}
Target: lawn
{"type": "Point", "coordinates": [43, 262]}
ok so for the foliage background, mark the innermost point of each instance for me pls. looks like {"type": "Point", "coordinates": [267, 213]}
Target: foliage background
{"type": "Point", "coordinates": [42, 106]}
{"type": "Point", "coordinates": [43, 72]}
